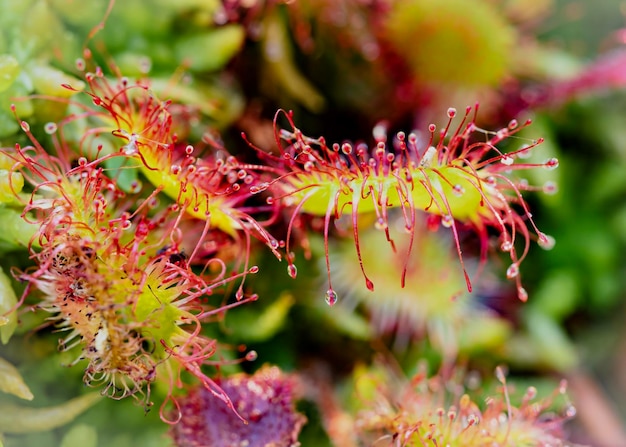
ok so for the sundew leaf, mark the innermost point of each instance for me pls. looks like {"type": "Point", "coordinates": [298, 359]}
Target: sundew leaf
{"type": "Point", "coordinates": [19, 420]}
{"type": "Point", "coordinates": [8, 300]}
{"type": "Point", "coordinates": [11, 381]}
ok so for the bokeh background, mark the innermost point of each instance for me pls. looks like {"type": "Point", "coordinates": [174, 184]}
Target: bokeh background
{"type": "Point", "coordinates": [342, 67]}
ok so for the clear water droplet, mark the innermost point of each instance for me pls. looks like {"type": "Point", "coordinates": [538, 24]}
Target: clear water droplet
{"type": "Point", "coordinates": [506, 246]}
{"type": "Point", "coordinates": [512, 271]}
{"type": "Point", "coordinates": [331, 297]}
{"type": "Point", "coordinates": [254, 269]}
{"type": "Point", "coordinates": [292, 270]}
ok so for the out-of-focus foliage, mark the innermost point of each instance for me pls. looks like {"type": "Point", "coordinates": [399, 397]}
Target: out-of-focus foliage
{"type": "Point", "coordinates": [347, 69]}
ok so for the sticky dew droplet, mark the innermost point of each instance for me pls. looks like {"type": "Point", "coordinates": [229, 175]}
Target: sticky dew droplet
{"type": "Point", "coordinates": [292, 270]}
{"type": "Point", "coordinates": [380, 224]}
{"type": "Point", "coordinates": [507, 160]}
{"type": "Point", "coordinates": [551, 164]}
{"type": "Point", "coordinates": [570, 412]}
{"type": "Point", "coordinates": [524, 152]}
{"type": "Point", "coordinates": [500, 374]}
{"type": "Point", "coordinates": [447, 221]}
{"type": "Point", "coordinates": [522, 294]}
{"type": "Point", "coordinates": [331, 297]}
{"type": "Point", "coordinates": [546, 241]}
{"type": "Point", "coordinates": [136, 186]}
{"type": "Point", "coordinates": [550, 188]}
{"type": "Point", "coordinates": [506, 246]}
{"type": "Point", "coordinates": [50, 128]}
{"type": "Point", "coordinates": [512, 271]}
{"type": "Point", "coordinates": [256, 189]}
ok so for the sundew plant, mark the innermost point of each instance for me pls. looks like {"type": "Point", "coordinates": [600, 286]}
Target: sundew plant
{"type": "Point", "coordinates": [317, 223]}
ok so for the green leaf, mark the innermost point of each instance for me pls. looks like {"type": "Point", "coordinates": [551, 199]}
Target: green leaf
{"type": "Point", "coordinates": [251, 325]}
{"type": "Point", "coordinates": [8, 300]}
{"type": "Point", "coordinates": [9, 69]}
{"type": "Point", "coordinates": [16, 232]}
{"type": "Point", "coordinates": [210, 50]}
{"type": "Point", "coordinates": [11, 381]}
{"type": "Point", "coordinates": [483, 333]}
{"type": "Point", "coordinates": [280, 63]}
{"type": "Point", "coordinates": [11, 183]}
{"type": "Point", "coordinates": [558, 295]}
{"type": "Point", "coordinates": [19, 419]}
{"type": "Point", "coordinates": [80, 435]}
{"type": "Point", "coordinates": [48, 81]}
{"type": "Point", "coordinates": [553, 346]}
